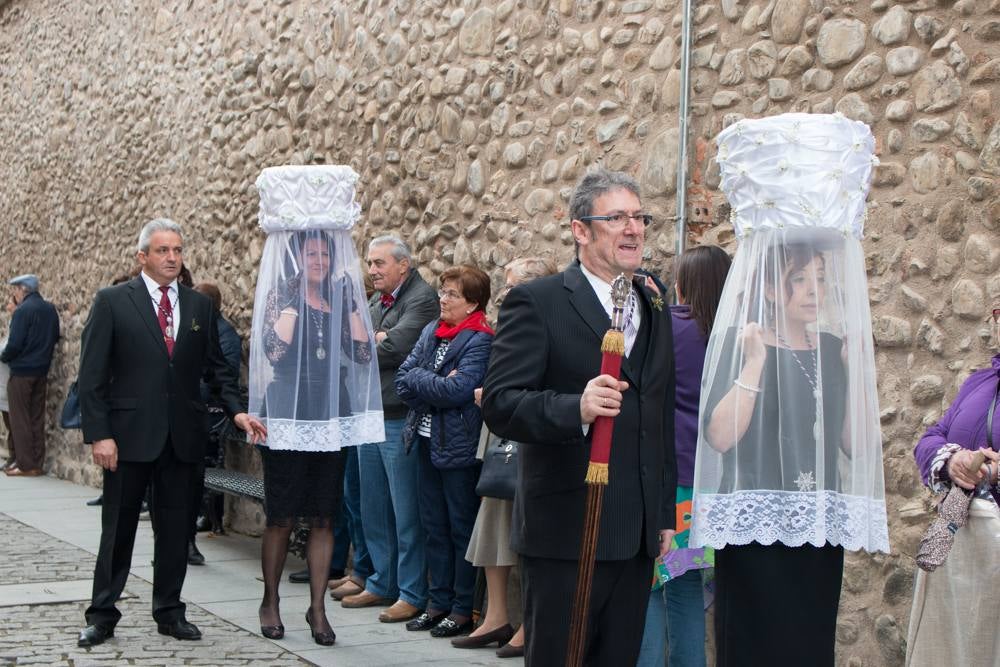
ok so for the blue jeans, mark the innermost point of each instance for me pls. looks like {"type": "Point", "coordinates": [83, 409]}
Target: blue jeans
{"type": "Point", "coordinates": [448, 508]}
{"type": "Point", "coordinates": [391, 517]}
{"type": "Point", "coordinates": [675, 617]}
{"type": "Point", "coordinates": [351, 516]}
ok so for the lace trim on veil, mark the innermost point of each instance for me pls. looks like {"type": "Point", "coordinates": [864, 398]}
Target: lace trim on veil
{"type": "Point", "coordinates": [790, 517]}
{"type": "Point", "coordinates": [325, 436]}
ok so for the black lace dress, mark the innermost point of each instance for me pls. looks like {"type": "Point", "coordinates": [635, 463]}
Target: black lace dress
{"type": "Point", "coordinates": [298, 484]}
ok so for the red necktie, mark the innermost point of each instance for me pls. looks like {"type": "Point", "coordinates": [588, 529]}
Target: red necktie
{"type": "Point", "coordinates": [165, 314]}
{"type": "Point", "coordinates": [388, 300]}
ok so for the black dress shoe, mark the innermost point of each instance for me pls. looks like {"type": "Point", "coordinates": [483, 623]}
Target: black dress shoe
{"type": "Point", "coordinates": [179, 629]}
{"type": "Point", "coordinates": [300, 577]}
{"type": "Point", "coordinates": [96, 502]}
{"type": "Point", "coordinates": [273, 631]}
{"type": "Point", "coordinates": [92, 635]}
{"type": "Point", "coordinates": [425, 621]}
{"type": "Point", "coordinates": [449, 627]}
{"type": "Point", "coordinates": [195, 557]}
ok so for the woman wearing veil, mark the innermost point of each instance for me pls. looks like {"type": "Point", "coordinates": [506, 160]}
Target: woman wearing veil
{"type": "Point", "coordinates": [313, 377]}
{"type": "Point", "coordinates": [789, 470]}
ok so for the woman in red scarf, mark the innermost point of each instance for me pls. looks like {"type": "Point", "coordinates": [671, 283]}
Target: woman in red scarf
{"type": "Point", "coordinates": [437, 381]}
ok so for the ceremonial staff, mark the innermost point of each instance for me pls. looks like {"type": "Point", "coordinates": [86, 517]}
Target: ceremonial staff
{"type": "Point", "coordinates": [612, 351]}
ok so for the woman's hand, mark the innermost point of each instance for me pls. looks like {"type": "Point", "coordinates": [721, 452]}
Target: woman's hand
{"type": "Point", "coordinates": [752, 340]}
{"type": "Point", "coordinates": [477, 396]}
{"type": "Point", "coordinates": [962, 468]}
{"type": "Point", "coordinates": [284, 326]}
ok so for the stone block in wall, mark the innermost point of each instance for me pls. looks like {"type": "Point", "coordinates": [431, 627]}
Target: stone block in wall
{"type": "Point", "coordinates": [936, 87]}
{"type": "Point", "coordinates": [967, 300]}
{"type": "Point", "coordinates": [890, 331]}
{"type": "Point", "coordinates": [840, 41]}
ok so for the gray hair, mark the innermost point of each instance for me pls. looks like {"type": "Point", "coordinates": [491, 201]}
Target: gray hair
{"type": "Point", "coordinates": [594, 184]}
{"type": "Point", "coordinates": [153, 226]}
{"type": "Point", "coordinates": [525, 269]}
{"type": "Point", "coordinates": [400, 250]}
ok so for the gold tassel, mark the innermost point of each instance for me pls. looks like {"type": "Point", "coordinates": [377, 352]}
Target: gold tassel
{"type": "Point", "coordinates": [597, 473]}
{"type": "Point", "coordinates": [613, 343]}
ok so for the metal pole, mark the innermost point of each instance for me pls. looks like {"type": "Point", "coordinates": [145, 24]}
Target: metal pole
{"type": "Point", "coordinates": [682, 129]}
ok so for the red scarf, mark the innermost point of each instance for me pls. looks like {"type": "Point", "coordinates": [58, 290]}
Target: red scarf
{"type": "Point", "coordinates": [476, 322]}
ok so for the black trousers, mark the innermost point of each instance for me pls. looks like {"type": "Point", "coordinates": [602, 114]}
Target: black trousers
{"type": "Point", "coordinates": [777, 605]}
{"type": "Point", "coordinates": [619, 596]}
{"type": "Point", "coordinates": [172, 482]}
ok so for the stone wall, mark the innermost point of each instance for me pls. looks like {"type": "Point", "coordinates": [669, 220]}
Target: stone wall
{"type": "Point", "coordinates": [469, 122]}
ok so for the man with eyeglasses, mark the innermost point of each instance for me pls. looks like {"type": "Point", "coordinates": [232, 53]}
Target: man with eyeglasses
{"type": "Point", "coordinates": [544, 390]}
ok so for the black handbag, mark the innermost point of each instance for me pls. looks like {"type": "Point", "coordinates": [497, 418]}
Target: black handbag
{"type": "Point", "coordinates": [498, 478]}
{"type": "Point", "coordinates": [70, 417]}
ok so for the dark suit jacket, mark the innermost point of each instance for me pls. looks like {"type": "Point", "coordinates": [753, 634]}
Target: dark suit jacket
{"type": "Point", "coordinates": [415, 306]}
{"type": "Point", "coordinates": [130, 390]}
{"type": "Point", "coordinates": [546, 350]}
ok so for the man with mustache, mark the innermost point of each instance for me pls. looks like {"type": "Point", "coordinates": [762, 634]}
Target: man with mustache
{"type": "Point", "coordinates": [146, 345]}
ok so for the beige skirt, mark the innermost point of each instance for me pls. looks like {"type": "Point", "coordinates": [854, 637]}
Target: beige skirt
{"type": "Point", "coordinates": [490, 543]}
{"type": "Point", "coordinates": [955, 608]}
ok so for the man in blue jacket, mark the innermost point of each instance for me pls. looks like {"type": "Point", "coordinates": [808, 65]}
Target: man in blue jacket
{"type": "Point", "coordinates": [34, 330]}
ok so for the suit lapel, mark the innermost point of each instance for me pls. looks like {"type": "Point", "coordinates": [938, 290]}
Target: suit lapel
{"type": "Point", "coordinates": [186, 303]}
{"type": "Point", "coordinates": [586, 303]}
{"type": "Point", "coordinates": [144, 307]}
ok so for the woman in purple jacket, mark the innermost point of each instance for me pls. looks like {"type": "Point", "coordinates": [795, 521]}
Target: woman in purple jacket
{"type": "Point", "coordinates": [954, 613]}
{"type": "Point", "coordinates": [677, 600]}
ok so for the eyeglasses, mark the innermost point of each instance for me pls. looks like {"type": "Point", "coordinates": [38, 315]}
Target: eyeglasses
{"type": "Point", "coordinates": [448, 295]}
{"type": "Point", "coordinates": [619, 220]}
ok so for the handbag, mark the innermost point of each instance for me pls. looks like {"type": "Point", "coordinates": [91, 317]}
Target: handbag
{"type": "Point", "coordinates": [70, 417]}
{"type": "Point", "coordinates": [498, 478]}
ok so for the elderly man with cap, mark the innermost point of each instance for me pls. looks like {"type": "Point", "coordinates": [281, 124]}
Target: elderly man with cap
{"type": "Point", "coordinates": [34, 330]}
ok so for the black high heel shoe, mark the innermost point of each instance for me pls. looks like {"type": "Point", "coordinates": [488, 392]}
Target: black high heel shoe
{"type": "Point", "coordinates": [273, 631]}
{"type": "Point", "coordinates": [326, 638]}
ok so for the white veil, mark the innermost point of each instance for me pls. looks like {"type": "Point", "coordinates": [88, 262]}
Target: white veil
{"type": "Point", "coordinates": [313, 372]}
{"type": "Point", "coordinates": [789, 444]}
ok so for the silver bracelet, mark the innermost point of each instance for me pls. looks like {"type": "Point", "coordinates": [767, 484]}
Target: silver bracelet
{"type": "Point", "coordinates": [289, 311]}
{"type": "Point", "coordinates": [747, 387]}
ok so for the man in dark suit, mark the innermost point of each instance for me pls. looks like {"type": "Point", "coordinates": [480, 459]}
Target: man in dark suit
{"type": "Point", "coordinates": [146, 345]}
{"type": "Point", "coordinates": [543, 389]}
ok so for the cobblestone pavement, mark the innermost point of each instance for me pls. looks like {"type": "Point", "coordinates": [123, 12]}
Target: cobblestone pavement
{"type": "Point", "coordinates": [45, 634]}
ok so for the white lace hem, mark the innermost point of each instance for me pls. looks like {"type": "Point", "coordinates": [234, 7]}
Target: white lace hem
{"type": "Point", "coordinates": [790, 517]}
{"type": "Point", "coordinates": [325, 436]}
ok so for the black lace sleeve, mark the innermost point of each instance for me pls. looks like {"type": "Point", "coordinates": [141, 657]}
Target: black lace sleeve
{"type": "Point", "coordinates": [277, 299]}
{"type": "Point", "coordinates": [362, 349]}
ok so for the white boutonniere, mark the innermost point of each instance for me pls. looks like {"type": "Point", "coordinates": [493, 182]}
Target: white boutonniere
{"type": "Point", "coordinates": [194, 324]}
{"type": "Point", "coordinates": [658, 303]}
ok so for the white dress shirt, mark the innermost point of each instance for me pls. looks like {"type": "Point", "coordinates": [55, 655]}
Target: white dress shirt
{"type": "Point", "coordinates": [602, 289]}
{"type": "Point", "coordinates": [155, 295]}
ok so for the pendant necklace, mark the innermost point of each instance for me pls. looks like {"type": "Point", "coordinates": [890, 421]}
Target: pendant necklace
{"type": "Point", "coordinates": [168, 330]}
{"type": "Point", "coordinates": [810, 378]}
{"type": "Point", "coordinates": [317, 320]}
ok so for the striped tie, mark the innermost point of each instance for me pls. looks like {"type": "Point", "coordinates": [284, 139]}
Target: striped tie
{"type": "Point", "coordinates": [630, 330]}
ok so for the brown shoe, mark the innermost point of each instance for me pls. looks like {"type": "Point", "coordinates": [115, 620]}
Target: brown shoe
{"type": "Point", "coordinates": [17, 472]}
{"type": "Point", "coordinates": [364, 599]}
{"type": "Point", "coordinates": [347, 589]}
{"type": "Point", "coordinates": [334, 584]}
{"type": "Point", "coordinates": [400, 611]}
